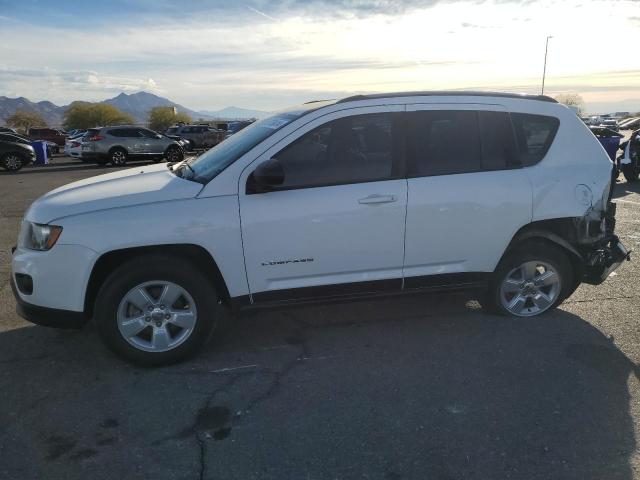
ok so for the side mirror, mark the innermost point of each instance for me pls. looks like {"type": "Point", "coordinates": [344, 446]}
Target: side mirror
{"type": "Point", "coordinates": [158, 135]}
{"type": "Point", "coordinates": [266, 177]}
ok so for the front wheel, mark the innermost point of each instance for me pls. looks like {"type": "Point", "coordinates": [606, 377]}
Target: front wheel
{"type": "Point", "coordinates": [12, 162]}
{"type": "Point", "coordinates": [174, 154]}
{"type": "Point", "coordinates": [156, 310]}
{"type": "Point", "coordinates": [531, 280]}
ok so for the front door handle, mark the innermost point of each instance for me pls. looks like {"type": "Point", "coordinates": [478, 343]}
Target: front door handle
{"type": "Point", "coordinates": [372, 199]}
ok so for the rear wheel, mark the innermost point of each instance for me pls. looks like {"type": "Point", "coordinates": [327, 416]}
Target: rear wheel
{"type": "Point", "coordinates": [12, 161]}
{"type": "Point", "coordinates": [530, 280]}
{"type": "Point", "coordinates": [174, 154]}
{"type": "Point", "coordinates": [156, 310]}
{"type": "Point", "coordinates": [118, 157]}
{"type": "Point", "coordinates": [630, 172]}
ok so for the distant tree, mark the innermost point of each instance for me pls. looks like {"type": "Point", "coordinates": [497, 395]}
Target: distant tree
{"type": "Point", "coordinates": [572, 100]}
{"type": "Point", "coordinates": [83, 115]}
{"type": "Point", "coordinates": [23, 120]}
{"type": "Point", "coordinates": [161, 118]}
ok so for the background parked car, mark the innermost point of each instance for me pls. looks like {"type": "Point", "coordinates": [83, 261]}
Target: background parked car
{"type": "Point", "coordinates": [15, 152]}
{"type": "Point", "coordinates": [183, 142]}
{"type": "Point", "coordinates": [629, 161]}
{"type": "Point", "coordinates": [630, 124]}
{"type": "Point", "coordinates": [198, 136]}
{"type": "Point", "coordinates": [610, 123]}
{"type": "Point", "coordinates": [7, 130]}
{"type": "Point", "coordinates": [73, 144]}
{"type": "Point", "coordinates": [49, 134]}
{"type": "Point", "coordinates": [73, 148]}
{"type": "Point", "coordinates": [119, 144]}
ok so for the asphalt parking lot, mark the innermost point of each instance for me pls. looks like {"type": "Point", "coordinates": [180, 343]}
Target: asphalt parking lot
{"type": "Point", "coordinates": [425, 387]}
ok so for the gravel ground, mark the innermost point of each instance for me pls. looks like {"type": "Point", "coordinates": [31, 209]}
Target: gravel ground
{"type": "Point", "coordinates": [425, 387]}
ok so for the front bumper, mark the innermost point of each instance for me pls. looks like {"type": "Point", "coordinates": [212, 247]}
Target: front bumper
{"type": "Point", "coordinates": [59, 276]}
{"type": "Point", "coordinates": [48, 317]}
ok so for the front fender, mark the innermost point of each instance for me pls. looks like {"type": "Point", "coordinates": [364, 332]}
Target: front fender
{"type": "Point", "coordinates": [211, 223]}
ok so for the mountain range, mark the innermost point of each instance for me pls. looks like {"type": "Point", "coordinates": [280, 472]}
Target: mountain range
{"type": "Point", "coordinates": [137, 105]}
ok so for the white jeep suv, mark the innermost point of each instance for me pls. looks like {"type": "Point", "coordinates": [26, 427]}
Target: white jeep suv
{"type": "Point", "coordinates": [369, 195]}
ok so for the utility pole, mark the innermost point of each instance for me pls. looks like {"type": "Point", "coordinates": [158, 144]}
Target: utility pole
{"type": "Point", "coordinates": [544, 71]}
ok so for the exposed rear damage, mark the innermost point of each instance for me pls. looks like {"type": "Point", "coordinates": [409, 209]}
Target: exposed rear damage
{"type": "Point", "coordinates": [600, 248]}
{"type": "Point", "coordinates": [606, 254]}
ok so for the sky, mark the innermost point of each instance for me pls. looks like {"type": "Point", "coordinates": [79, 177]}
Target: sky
{"type": "Point", "coordinates": [267, 55]}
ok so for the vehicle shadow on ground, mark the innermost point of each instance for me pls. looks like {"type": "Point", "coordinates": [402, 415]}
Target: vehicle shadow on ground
{"type": "Point", "coordinates": [391, 389]}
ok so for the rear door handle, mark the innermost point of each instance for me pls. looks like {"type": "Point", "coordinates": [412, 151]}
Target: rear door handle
{"type": "Point", "coordinates": [371, 199]}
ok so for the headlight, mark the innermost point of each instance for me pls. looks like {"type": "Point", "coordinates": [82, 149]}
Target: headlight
{"type": "Point", "coordinates": [40, 237]}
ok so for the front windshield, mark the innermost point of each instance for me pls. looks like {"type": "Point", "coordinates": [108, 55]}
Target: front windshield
{"type": "Point", "coordinates": [212, 162]}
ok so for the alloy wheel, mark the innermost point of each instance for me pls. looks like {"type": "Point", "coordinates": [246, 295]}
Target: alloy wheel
{"type": "Point", "coordinates": [530, 289]}
{"type": "Point", "coordinates": [118, 157]}
{"type": "Point", "coordinates": [173, 155]}
{"type": "Point", "coordinates": [12, 162]}
{"type": "Point", "coordinates": [156, 316]}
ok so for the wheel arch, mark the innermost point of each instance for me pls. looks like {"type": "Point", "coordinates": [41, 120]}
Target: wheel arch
{"type": "Point", "coordinates": [559, 232]}
{"type": "Point", "coordinates": [117, 147]}
{"type": "Point", "coordinates": [198, 256]}
{"type": "Point", "coordinates": [173, 146]}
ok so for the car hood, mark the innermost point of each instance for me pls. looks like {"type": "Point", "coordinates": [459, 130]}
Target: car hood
{"type": "Point", "coordinates": [135, 186]}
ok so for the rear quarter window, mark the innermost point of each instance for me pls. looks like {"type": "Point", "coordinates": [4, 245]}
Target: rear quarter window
{"type": "Point", "coordinates": [534, 136]}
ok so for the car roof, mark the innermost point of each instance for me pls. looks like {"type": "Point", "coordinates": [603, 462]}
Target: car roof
{"type": "Point", "coordinates": [448, 93]}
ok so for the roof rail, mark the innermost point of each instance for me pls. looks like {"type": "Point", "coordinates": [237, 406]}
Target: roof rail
{"type": "Point", "coordinates": [449, 93]}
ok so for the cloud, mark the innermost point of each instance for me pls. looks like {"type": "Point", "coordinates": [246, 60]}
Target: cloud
{"type": "Point", "coordinates": [64, 86]}
{"type": "Point", "coordinates": [267, 54]}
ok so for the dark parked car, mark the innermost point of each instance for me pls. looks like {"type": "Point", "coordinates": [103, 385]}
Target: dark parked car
{"type": "Point", "coordinates": [629, 161]}
{"type": "Point", "coordinates": [15, 152]}
{"type": "Point", "coordinates": [198, 136]}
{"type": "Point", "coordinates": [8, 130]}
{"type": "Point", "coordinates": [49, 134]}
{"type": "Point", "coordinates": [630, 123]}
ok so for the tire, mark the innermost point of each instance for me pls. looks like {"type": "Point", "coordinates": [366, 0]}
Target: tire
{"type": "Point", "coordinates": [118, 157]}
{"type": "Point", "coordinates": [12, 161]}
{"type": "Point", "coordinates": [174, 154]}
{"type": "Point", "coordinates": [532, 279]}
{"type": "Point", "coordinates": [630, 173]}
{"type": "Point", "coordinates": [152, 339]}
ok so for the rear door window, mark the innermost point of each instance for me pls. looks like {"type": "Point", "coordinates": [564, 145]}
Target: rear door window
{"type": "Point", "coordinates": [117, 132]}
{"type": "Point", "coordinates": [146, 133]}
{"type": "Point", "coordinates": [442, 142]}
{"type": "Point", "coordinates": [534, 136]}
{"type": "Point", "coordinates": [497, 142]}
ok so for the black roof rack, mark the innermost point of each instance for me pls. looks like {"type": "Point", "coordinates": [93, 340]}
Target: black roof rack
{"type": "Point", "coordinates": [449, 93]}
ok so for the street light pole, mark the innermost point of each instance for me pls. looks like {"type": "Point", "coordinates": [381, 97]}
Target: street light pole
{"type": "Point", "coordinates": [544, 71]}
